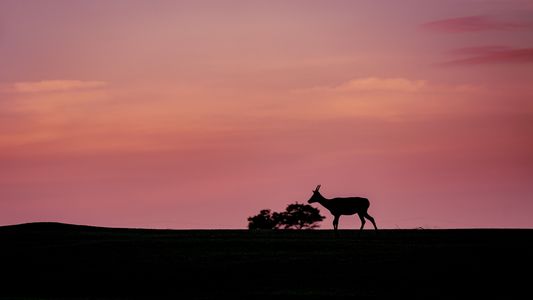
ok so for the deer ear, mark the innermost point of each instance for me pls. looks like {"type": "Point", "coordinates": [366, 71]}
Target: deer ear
{"type": "Point", "coordinates": [317, 187]}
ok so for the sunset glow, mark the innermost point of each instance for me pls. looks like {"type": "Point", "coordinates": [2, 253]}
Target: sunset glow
{"type": "Point", "coordinates": [197, 114]}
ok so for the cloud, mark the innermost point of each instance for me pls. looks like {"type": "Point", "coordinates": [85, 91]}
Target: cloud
{"type": "Point", "coordinates": [55, 86]}
{"type": "Point", "coordinates": [480, 50]}
{"type": "Point", "coordinates": [491, 55]}
{"type": "Point", "coordinates": [473, 24]}
{"type": "Point", "coordinates": [372, 84]}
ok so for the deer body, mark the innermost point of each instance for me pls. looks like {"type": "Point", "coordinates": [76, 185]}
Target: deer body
{"type": "Point", "coordinates": [344, 206]}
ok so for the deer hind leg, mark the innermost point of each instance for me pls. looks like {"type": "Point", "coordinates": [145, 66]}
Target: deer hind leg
{"type": "Point", "coordinates": [362, 218]}
{"type": "Point", "coordinates": [371, 220]}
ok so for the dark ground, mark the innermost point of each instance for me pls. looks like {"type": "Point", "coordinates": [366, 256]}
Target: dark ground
{"type": "Point", "coordinates": [59, 261]}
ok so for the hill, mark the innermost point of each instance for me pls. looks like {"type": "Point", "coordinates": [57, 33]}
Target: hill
{"type": "Point", "coordinates": [57, 261]}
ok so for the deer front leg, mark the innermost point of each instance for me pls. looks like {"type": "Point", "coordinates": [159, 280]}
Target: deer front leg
{"type": "Point", "coordinates": [336, 222]}
{"type": "Point", "coordinates": [336, 225]}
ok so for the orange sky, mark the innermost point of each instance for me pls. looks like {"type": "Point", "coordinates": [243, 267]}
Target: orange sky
{"type": "Point", "coordinates": [197, 114]}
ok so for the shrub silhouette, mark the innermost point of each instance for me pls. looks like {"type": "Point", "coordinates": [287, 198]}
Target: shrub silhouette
{"type": "Point", "coordinates": [295, 216]}
{"type": "Point", "coordinates": [264, 220]}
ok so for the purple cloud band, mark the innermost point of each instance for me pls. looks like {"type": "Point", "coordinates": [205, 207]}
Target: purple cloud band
{"type": "Point", "coordinates": [492, 55]}
{"type": "Point", "coordinates": [473, 24]}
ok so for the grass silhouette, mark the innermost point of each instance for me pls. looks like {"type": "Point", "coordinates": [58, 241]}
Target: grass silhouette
{"type": "Point", "coordinates": [58, 261]}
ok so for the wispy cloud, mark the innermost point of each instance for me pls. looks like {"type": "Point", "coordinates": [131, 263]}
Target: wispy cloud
{"type": "Point", "coordinates": [382, 84]}
{"type": "Point", "coordinates": [54, 86]}
{"type": "Point", "coordinates": [375, 84]}
{"type": "Point", "coordinates": [380, 98]}
{"type": "Point", "coordinates": [491, 55]}
{"type": "Point", "coordinates": [479, 50]}
{"type": "Point", "coordinates": [474, 24]}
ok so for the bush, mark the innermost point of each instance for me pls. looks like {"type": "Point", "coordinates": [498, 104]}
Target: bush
{"type": "Point", "coordinates": [264, 220]}
{"type": "Point", "coordinates": [295, 216]}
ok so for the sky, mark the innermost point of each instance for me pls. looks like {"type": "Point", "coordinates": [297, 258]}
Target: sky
{"type": "Point", "coordinates": [198, 114]}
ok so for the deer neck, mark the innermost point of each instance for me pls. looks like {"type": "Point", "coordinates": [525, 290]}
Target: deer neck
{"type": "Point", "coordinates": [324, 202]}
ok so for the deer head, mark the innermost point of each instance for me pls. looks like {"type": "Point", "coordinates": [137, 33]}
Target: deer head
{"type": "Point", "coordinates": [316, 196]}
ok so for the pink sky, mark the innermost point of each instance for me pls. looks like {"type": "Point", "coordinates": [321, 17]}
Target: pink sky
{"type": "Point", "coordinates": [197, 114]}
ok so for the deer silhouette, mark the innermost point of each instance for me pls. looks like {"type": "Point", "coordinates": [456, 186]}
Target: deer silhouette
{"type": "Point", "coordinates": [344, 206]}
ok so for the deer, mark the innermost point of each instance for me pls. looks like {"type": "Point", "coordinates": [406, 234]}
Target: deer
{"type": "Point", "coordinates": [344, 206]}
